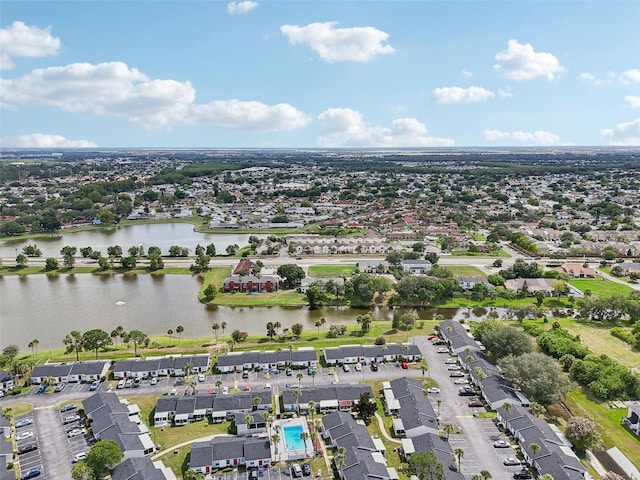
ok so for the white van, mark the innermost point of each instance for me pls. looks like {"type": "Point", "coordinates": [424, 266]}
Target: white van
{"type": "Point", "coordinates": [120, 384]}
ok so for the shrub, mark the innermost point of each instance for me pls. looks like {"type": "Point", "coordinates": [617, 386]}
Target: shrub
{"type": "Point", "coordinates": [380, 340]}
{"type": "Point", "coordinates": [623, 335]}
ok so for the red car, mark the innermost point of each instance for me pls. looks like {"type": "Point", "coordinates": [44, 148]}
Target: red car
{"type": "Point", "coordinates": [432, 337]}
{"type": "Point", "coordinates": [404, 365]}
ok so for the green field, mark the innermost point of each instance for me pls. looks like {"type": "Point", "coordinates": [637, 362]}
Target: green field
{"type": "Point", "coordinates": [262, 299]}
{"type": "Point", "coordinates": [600, 286]}
{"type": "Point", "coordinates": [331, 271]}
{"type": "Point", "coordinates": [465, 270]}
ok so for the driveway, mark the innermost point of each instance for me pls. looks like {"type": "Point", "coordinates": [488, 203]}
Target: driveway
{"type": "Point", "coordinates": [54, 447]}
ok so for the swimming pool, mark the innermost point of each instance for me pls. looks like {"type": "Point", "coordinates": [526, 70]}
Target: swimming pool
{"type": "Point", "coordinates": [292, 438]}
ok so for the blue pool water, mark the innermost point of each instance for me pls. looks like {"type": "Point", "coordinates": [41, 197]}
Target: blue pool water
{"type": "Point", "coordinates": [292, 437]}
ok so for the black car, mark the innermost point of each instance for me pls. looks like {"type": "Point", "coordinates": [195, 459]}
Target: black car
{"type": "Point", "coordinates": [466, 392]}
{"type": "Point", "coordinates": [522, 474]}
{"type": "Point", "coordinates": [374, 367]}
{"type": "Point", "coordinates": [306, 469]}
{"type": "Point", "coordinates": [30, 447]}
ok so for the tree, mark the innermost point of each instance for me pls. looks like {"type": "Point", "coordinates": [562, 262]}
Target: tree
{"type": "Point", "coordinates": [137, 337]}
{"type": "Point", "coordinates": [292, 274]}
{"type": "Point", "coordinates": [365, 408]}
{"type": "Point", "coordinates": [458, 454]}
{"type": "Point", "coordinates": [239, 336]}
{"type": "Point", "coordinates": [74, 343]}
{"type": "Point", "coordinates": [179, 330]}
{"type": "Point", "coordinates": [96, 339]}
{"type": "Point", "coordinates": [21, 260]}
{"type": "Point", "coordinates": [299, 376]}
{"type": "Point", "coordinates": [506, 340]}
{"type": "Point", "coordinates": [316, 295]}
{"type": "Point", "coordinates": [304, 436]}
{"type": "Point", "coordinates": [297, 329]}
{"type": "Point", "coordinates": [582, 433]}
{"type": "Point", "coordinates": [169, 334]}
{"type": "Point", "coordinates": [81, 471]}
{"type": "Point", "coordinates": [297, 393]}
{"type": "Point", "coordinates": [340, 457]}
{"type": "Point", "coordinates": [192, 475]}
{"type": "Point", "coordinates": [534, 450]}
{"type": "Point", "coordinates": [103, 456]}
{"type": "Point", "coordinates": [223, 326]}
{"type": "Point", "coordinates": [209, 294]}
{"type": "Point", "coordinates": [539, 377]}
{"type": "Point", "coordinates": [365, 322]}
{"type": "Point", "coordinates": [34, 344]}
{"type": "Point", "coordinates": [425, 466]}
{"type": "Point", "coordinates": [215, 327]}
{"type": "Point", "coordinates": [51, 264]}
{"type": "Point", "coordinates": [447, 428]}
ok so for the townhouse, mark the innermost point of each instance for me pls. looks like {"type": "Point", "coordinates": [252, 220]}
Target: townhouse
{"type": "Point", "coordinates": [416, 267]}
{"type": "Point", "coordinates": [412, 412]}
{"type": "Point", "coordinates": [327, 399]}
{"type": "Point", "coordinates": [89, 371]}
{"type": "Point", "coordinates": [436, 444]}
{"type": "Point", "coordinates": [632, 420]}
{"type": "Point", "coordinates": [230, 452]}
{"type": "Point", "coordinates": [167, 366]}
{"type": "Point", "coordinates": [6, 381]}
{"type": "Point", "coordinates": [391, 352]}
{"type": "Point", "coordinates": [458, 337]}
{"type": "Point", "coordinates": [303, 357]}
{"type": "Point", "coordinates": [142, 468]}
{"type": "Point", "coordinates": [191, 408]}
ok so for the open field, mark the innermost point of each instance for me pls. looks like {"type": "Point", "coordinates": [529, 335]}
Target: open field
{"type": "Point", "coordinates": [18, 409]}
{"type": "Point", "coordinates": [600, 286]}
{"type": "Point", "coordinates": [331, 271]}
{"type": "Point", "coordinates": [262, 299]}
{"type": "Point", "coordinates": [465, 270]}
{"type": "Point", "coordinates": [608, 419]}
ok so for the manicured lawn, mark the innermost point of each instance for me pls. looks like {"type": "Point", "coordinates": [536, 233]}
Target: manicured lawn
{"type": "Point", "coordinates": [600, 286]}
{"type": "Point", "coordinates": [614, 434]}
{"type": "Point", "coordinates": [464, 270]}
{"type": "Point", "coordinates": [331, 271]}
{"type": "Point", "coordinates": [282, 297]}
{"type": "Point", "coordinates": [18, 409]}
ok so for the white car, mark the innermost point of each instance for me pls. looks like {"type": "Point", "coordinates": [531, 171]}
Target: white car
{"type": "Point", "coordinates": [24, 436]}
{"type": "Point", "coordinates": [433, 390]}
{"type": "Point", "coordinates": [461, 381]}
{"type": "Point", "coordinates": [153, 380]}
{"type": "Point", "coordinates": [357, 367]}
{"type": "Point", "coordinates": [174, 391]}
{"type": "Point", "coordinates": [120, 384]}
{"type": "Point", "coordinates": [202, 377]}
{"type": "Point", "coordinates": [225, 390]}
{"type": "Point", "coordinates": [75, 432]}
{"type": "Point", "coordinates": [454, 367]}
{"type": "Point", "coordinates": [443, 350]}
{"type": "Point", "coordinates": [451, 361]}
{"type": "Point", "coordinates": [78, 457]}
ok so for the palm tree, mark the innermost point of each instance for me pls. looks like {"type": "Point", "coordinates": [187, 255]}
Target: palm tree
{"type": "Point", "coordinates": [248, 419]}
{"type": "Point", "coordinates": [215, 328]}
{"type": "Point", "coordinates": [314, 440]}
{"type": "Point", "coordinates": [7, 413]}
{"type": "Point", "coordinates": [304, 436]}
{"type": "Point", "coordinates": [534, 449]}
{"type": "Point", "coordinates": [318, 324]}
{"type": "Point", "coordinates": [34, 344]}
{"type": "Point", "coordinates": [312, 408]}
{"type": "Point", "coordinates": [115, 335]}
{"type": "Point", "coordinates": [313, 377]}
{"type": "Point", "coordinates": [268, 418]}
{"type": "Point", "coordinates": [275, 439]}
{"type": "Point", "coordinates": [256, 402]}
{"type": "Point", "coordinates": [485, 474]}
{"type": "Point", "coordinates": [323, 321]}
{"type": "Point", "coordinates": [299, 376]}
{"type": "Point", "coordinates": [448, 430]}
{"type": "Point", "coordinates": [507, 408]}
{"type": "Point", "coordinates": [219, 385]}
{"type": "Point", "coordinates": [459, 453]}
{"type": "Point", "coordinates": [339, 457]}
{"type": "Point", "coordinates": [424, 366]}
{"type": "Point", "coordinates": [223, 325]}
{"type": "Point", "coordinates": [187, 369]}
{"type": "Point", "coordinates": [169, 333]}
{"type": "Point", "coordinates": [297, 393]}
{"type": "Point", "coordinates": [179, 330]}
{"type": "Point", "coordinates": [439, 401]}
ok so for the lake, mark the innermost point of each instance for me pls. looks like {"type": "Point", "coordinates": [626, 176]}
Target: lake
{"type": "Point", "coordinates": [162, 235]}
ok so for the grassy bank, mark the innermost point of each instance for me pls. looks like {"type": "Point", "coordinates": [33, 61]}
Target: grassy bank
{"type": "Point", "coordinates": [600, 286]}
{"type": "Point", "coordinates": [331, 271]}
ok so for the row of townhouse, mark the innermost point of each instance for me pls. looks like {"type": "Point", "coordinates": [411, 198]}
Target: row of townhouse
{"type": "Point", "coordinates": [319, 245]}
{"type": "Point", "coordinates": [327, 399]}
{"type": "Point", "coordinates": [70, 372]}
{"type": "Point", "coordinates": [168, 366]}
{"type": "Point", "coordinates": [230, 452]}
{"type": "Point", "coordinates": [391, 352]}
{"type": "Point", "coordinates": [191, 408]}
{"type": "Point", "coordinates": [364, 456]}
{"type": "Point", "coordinates": [114, 419]}
{"type": "Point", "coordinates": [412, 412]}
{"type": "Point", "coordinates": [436, 444]}
{"type": "Point", "coordinates": [251, 283]}
{"type": "Point", "coordinates": [6, 381]}
{"type": "Point", "coordinates": [555, 455]}
{"type": "Point", "coordinates": [303, 357]}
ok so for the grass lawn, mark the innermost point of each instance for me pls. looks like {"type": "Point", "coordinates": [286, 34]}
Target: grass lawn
{"type": "Point", "coordinates": [331, 271]}
{"type": "Point", "coordinates": [614, 434]}
{"type": "Point", "coordinates": [263, 299]}
{"type": "Point", "coordinates": [464, 270]}
{"type": "Point", "coordinates": [18, 409]}
{"type": "Point", "coordinates": [600, 286]}
{"type": "Point", "coordinates": [597, 338]}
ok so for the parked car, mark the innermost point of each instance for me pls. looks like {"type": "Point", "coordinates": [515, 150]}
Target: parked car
{"type": "Point", "coordinates": [288, 372]}
{"type": "Point", "coordinates": [451, 361]}
{"type": "Point", "coordinates": [225, 390]}
{"type": "Point", "coordinates": [121, 384]}
{"type": "Point", "coordinates": [70, 419]}
{"type": "Point", "coordinates": [247, 388]}
{"type": "Point", "coordinates": [33, 473]}
{"type": "Point", "coordinates": [310, 370]}
{"type": "Point", "coordinates": [128, 383]}
{"type": "Point", "coordinates": [456, 374]}
{"type": "Point", "coordinates": [443, 350]}
{"type": "Point", "coordinates": [432, 337]}
{"type": "Point", "coordinates": [94, 386]}
{"type": "Point", "coordinates": [476, 402]}
{"type": "Point", "coordinates": [24, 436]}
{"type": "Point", "coordinates": [59, 387]}
{"type": "Point", "coordinates": [461, 381]}
{"type": "Point", "coordinates": [174, 391]}
{"type": "Point", "coordinates": [136, 383]}
{"type": "Point", "coordinates": [454, 367]}
{"type": "Point", "coordinates": [439, 342]}
{"type": "Point", "coordinates": [346, 368]}
{"type": "Point", "coordinates": [357, 367]}
{"type": "Point", "coordinates": [374, 367]}
{"type": "Point", "coordinates": [29, 447]}
{"type": "Point", "coordinates": [24, 422]}
{"type": "Point", "coordinates": [466, 391]}
{"type": "Point", "coordinates": [245, 374]}
{"type": "Point", "coordinates": [404, 365]}
{"type": "Point", "coordinates": [74, 432]}
{"type": "Point", "coordinates": [267, 386]}
{"type": "Point", "coordinates": [501, 444]}
{"type": "Point", "coordinates": [433, 390]}
{"type": "Point", "coordinates": [153, 381]}
{"type": "Point", "coordinates": [296, 470]}
{"type": "Point", "coordinates": [202, 377]}
{"type": "Point", "coordinates": [522, 474]}
{"type": "Point", "coordinates": [68, 407]}
{"type": "Point", "coordinates": [510, 461]}
{"type": "Point", "coordinates": [306, 469]}
{"type": "Point", "coordinates": [78, 457]}
{"type": "Point", "coordinates": [42, 388]}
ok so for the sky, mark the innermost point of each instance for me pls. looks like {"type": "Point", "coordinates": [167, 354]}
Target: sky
{"type": "Point", "coordinates": [319, 74]}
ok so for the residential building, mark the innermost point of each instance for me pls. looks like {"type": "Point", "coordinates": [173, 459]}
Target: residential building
{"type": "Point", "coordinates": [303, 357]}
{"type": "Point", "coordinates": [230, 451]}
{"type": "Point", "coordinates": [391, 352]}
{"type": "Point", "coordinates": [171, 365]}
{"type": "Point", "coordinates": [88, 371]}
{"type": "Point", "coordinates": [6, 381]}
{"type": "Point", "coordinates": [436, 444]}
{"type": "Point", "coordinates": [142, 468]}
{"type": "Point", "coordinates": [414, 414]}
{"type": "Point", "coordinates": [327, 399]}
{"type": "Point", "coordinates": [416, 267]}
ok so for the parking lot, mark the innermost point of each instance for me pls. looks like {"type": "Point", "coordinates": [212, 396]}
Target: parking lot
{"type": "Point", "coordinates": [27, 436]}
{"type": "Point", "coordinates": [272, 473]}
{"type": "Point", "coordinates": [69, 388]}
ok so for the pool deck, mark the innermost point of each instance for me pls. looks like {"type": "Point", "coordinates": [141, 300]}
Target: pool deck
{"type": "Point", "coordinates": [284, 454]}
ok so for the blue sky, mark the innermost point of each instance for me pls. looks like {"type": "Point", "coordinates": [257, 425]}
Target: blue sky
{"type": "Point", "coordinates": [312, 74]}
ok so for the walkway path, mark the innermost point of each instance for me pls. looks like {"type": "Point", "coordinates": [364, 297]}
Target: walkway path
{"type": "Point", "coordinates": [188, 442]}
{"type": "Point", "coordinates": [383, 430]}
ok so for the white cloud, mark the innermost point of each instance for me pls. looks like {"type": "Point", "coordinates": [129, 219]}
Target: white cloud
{"type": "Point", "coordinates": [21, 40]}
{"type": "Point", "coordinates": [43, 140]}
{"type": "Point", "coordinates": [627, 133]}
{"type": "Point", "coordinates": [467, 73]}
{"type": "Point", "coordinates": [632, 101]}
{"type": "Point", "coordinates": [238, 8]}
{"type": "Point", "coordinates": [114, 89]}
{"type": "Point", "coordinates": [630, 76]}
{"type": "Point", "coordinates": [505, 92]}
{"type": "Point", "coordinates": [344, 127]}
{"type": "Point", "coordinates": [539, 137]}
{"type": "Point", "coordinates": [588, 77]}
{"type": "Point", "coordinates": [357, 44]}
{"type": "Point", "coordinates": [448, 95]}
{"type": "Point", "coordinates": [521, 62]}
